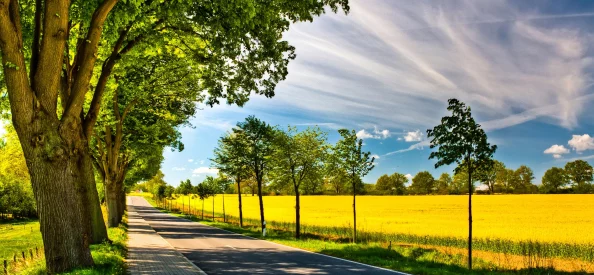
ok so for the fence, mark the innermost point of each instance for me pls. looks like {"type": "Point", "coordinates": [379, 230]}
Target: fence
{"type": "Point", "coordinates": [21, 260]}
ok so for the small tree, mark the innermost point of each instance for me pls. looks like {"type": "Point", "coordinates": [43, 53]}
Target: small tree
{"type": "Point", "coordinates": [203, 190]}
{"type": "Point", "coordinates": [488, 175]}
{"type": "Point", "coordinates": [443, 184]}
{"type": "Point", "coordinates": [229, 159]}
{"type": "Point", "coordinates": [553, 180]}
{"type": "Point", "coordinates": [580, 175]}
{"type": "Point", "coordinates": [423, 183]}
{"type": "Point", "coordinates": [297, 156]}
{"type": "Point", "coordinates": [257, 137]}
{"type": "Point", "coordinates": [356, 163]}
{"type": "Point", "coordinates": [185, 188]}
{"type": "Point", "coordinates": [460, 139]}
{"type": "Point", "coordinates": [522, 182]}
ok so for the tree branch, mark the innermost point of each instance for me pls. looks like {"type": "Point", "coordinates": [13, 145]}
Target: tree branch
{"type": "Point", "coordinates": [88, 56]}
{"type": "Point", "coordinates": [36, 38]}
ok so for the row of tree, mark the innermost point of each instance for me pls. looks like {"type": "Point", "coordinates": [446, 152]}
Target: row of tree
{"type": "Point", "coordinates": [291, 160]}
{"type": "Point", "coordinates": [576, 178]}
{"type": "Point", "coordinates": [101, 86]}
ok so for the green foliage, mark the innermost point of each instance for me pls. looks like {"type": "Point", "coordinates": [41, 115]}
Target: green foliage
{"type": "Point", "coordinates": [257, 138]}
{"type": "Point", "coordinates": [423, 183]}
{"type": "Point", "coordinates": [487, 175]}
{"type": "Point", "coordinates": [394, 183]}
{"type": "Point", "coordinates": [522, 183]}
{"type": "Point", "coordinates": [352, 159]}
{"type": "Point", "coordinates": [580, 175]}
{"type": "Point", "coordinates": [459, 138]}
{"type": "Point", "coordinates": [185, 187]}
{"type": "Point", "coordinates": [553, 180]}
{"type": "Point", "coordinates": [298, 158]}
{"type": "Point", "coordinates": [443, 184]}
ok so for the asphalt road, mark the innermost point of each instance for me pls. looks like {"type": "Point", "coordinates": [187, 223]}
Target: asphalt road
{"type": "Point", "coordinates": [218, 251]}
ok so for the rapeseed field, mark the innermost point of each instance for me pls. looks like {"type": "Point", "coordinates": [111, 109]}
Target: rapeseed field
{"type": "Point", "coordinates": [541, 218]}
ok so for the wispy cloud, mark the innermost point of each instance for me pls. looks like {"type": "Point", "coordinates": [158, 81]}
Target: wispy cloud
{"type": "Point", "coordinates": [179, 169]}
{"type": "Point", "coordinates": [398, 62]}
{"type": "Point", "coordinates": [204, 171]}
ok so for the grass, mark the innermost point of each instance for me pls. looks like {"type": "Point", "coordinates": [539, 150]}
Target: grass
{"type": "Point", "coordinates": [17, 237]}
{"type": "Point", "coordinates": [406, 258]}
{"type": "Point", "coordinates": [109, 258]}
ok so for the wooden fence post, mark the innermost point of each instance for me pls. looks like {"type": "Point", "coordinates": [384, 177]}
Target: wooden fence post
{"type": "Point", "coordinates": [31, 253]}
{"type": "Point", "coordinates": [5, 267]}
{"type": "Point", "coordinates": [36, 252]}
{"type": "Point", "coordinates": [23, 253]}
{"type": "Point", "coordinates": [14, 258]}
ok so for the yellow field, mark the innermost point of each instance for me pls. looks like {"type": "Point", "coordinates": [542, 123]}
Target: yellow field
{"type": "Point", "coordinates": [543, 218]}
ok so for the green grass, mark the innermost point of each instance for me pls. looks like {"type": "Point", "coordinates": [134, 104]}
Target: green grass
{"type": "Point", "coordinates": [17, 237]}
{"type": "Point", "coordinates": [108, 258]}
{"type": "Point", "coordinates": [411, 259]}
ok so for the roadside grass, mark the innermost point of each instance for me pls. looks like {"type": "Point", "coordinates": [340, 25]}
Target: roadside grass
{"type": "Point", "coordinates": [109, 257]}
{"type": "Point", "coordinates": [405, 258]}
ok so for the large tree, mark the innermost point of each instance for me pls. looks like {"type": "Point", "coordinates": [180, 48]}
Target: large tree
{"type": "Point", "coordinates": [443, 184]}
{"type": "Point", "coordinates": [356, 163]}
{"type": "Point", "coordinates": [580, 175]}
{"type": "Point", "coordinates": [298, 155]}
{"type": "Point", "coordinates": [461, 140]}
{"type": "Point", "coordinates": [58, 57]}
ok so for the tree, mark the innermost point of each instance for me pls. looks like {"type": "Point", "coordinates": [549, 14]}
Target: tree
{"type": "Point", "coordinates": [553, 180]}
{"type": "Point", "coordinates": [297, 156]}
{"type": "Point", "coordinates": [488, 175]}
{"type": "Point", "coordinates": [258, 138]}
{"type": "Point", "coordinates": [461, 140]}
{"type": "Point", "coordinates": [128, 136]}
{"type": "Point", "coordinates": [229, 159]}
{"type": "Point", "coordinates": [336, 176]}
{"type": "Point", "coordinates": [522, 182]}
{"type": "Point", "coordinates": [506, 178]}
{"type": "Point", "coordinates": [394, 183]}
{"type": "Point", "coordinates": [223, 184]}
{"type": "Point", "coordinates": [51, 50]}
{"type": "Point", "coordinates": [580, 175]}
{"type": "Point", "coordinates": [204, 191]}
{"type": "Point", "coordinates": [185, 188]}
{"type": "Point", "coordinates": [355, 163]}
{"type": "Point", "coordinates": [443, 184]}
{"type": "Point", "coordinates": [423, 183]}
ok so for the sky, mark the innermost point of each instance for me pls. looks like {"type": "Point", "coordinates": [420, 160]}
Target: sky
{"type": "Point", "coordinates": [387, 69]}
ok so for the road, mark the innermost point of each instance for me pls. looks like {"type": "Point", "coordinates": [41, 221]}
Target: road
{"type": "Point", "coordinates": [217, 251]}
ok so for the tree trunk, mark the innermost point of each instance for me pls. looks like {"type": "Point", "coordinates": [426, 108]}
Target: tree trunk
{"type": "Point", "coordinates": [224, 215]}
{"type": "Point", "coordinates": [469, 217]}
{"type": "Point", "coordinates": [202, 209]}
{"type": "Point", "coordinates": [213, 216]}
{"type": "Point", "coordinates": [61, 188]}
{"type": "Point", "coordinates": [354, 215]}
{"type": "Point", "coordinates": [261, 205]}
{"type": "Point", "coordinates": [111, 199]}
{"type": "Point", "coordinates": [88, 192]}
{"type": "Point", "coordinates": [240, 209]}
{"type": "Point", "coordinates": [297, 214]}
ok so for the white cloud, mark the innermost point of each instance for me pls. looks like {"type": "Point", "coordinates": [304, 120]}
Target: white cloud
{"type": "Point", "coordinates": [409, 176]}
{"type": "Point", "coordinates": [413, 136]}
{"type": "Point", "coordinates": [557, 151]}
{"type": "Point", "coordinates": [190, 160]}
{"type": "Point", "coordinates": [364, 134]}
{"type": "Point", "coordinates": [375, 156]}
{"type": "Point", "coordinates": [179, 169]}
{"type": "Point", "coordinates": [581, 143]}
{"type": "Point", "coordinates": [202, 162]}
{"type": "Point", "coordinates": [377, 134]}
{"type": "Point", "coordinates": [205, 171]}
{"type": "Point", "coordinates": [416, 146]}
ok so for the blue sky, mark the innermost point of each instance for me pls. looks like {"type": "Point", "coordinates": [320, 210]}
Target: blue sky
{"type": "Point", "coordinates": [388, 68]}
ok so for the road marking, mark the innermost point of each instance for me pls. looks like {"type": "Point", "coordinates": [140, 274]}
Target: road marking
{"type": "Point", "coordinates": [230, 246]}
